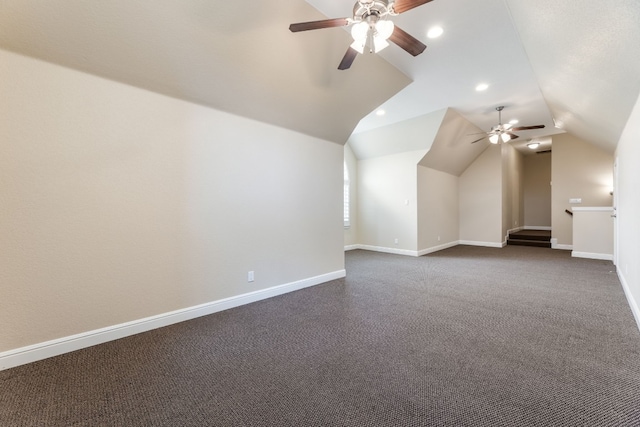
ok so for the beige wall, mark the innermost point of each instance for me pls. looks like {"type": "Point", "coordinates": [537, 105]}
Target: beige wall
{"type": "Point", "coordinates": [537, 190]}
{"type": "Point", "coordinates": [118, 204]}
{"type": "Point", "coordinates": [351, 232]}
{"type": "Point", "coordinates": [387, 196]}
{"type": "Point", "coordinates": [593, 233]}
{"type": "Point", "coordinates": [578, 170]}
{"type": "Point", "coordinates": [627, 194]}
{"type": "Point", "coordinates": [480, 199]}
{"type": "Point", "coordinates": [512, 189]}
{"type": "Point", "coordinates": [438, 208]}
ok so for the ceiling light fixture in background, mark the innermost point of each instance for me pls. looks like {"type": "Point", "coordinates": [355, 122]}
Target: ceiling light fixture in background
{"type": "Point", "coordinates": [435, 32]}
{"type": "Point", "coordinates": [482, 87]}
{"type": "Point", "coordinates": [380, 113]}
{"type": "Point", "coordinates": [533, 145]}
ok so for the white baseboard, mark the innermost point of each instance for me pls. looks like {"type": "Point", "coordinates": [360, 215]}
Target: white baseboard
{"type": "Point", "coordinates": [514, 230]}
{"type": "Point", "coordinates": [635, 309]}
{"type": "Point", "coordinates": [555, 245]}
{"type": "Point", "coordinates": [607, 257]}
{"type": "Point", "coordinates": [33, 353]}
{"type": "Point", "coordinates": [486, 244]}
{"type": "Point", "coordinates": [405, 252]}
{"type": "Point", "coordinates": [351, 247]}
{"type": "Point", "coordinates": [433, 249]}
{"type": "Point", "coordinates": [388, 250]}
{"type": "Point", "coordinates": [535, 227]}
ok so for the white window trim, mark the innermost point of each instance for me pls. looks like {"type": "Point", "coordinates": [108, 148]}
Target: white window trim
{"type": "Point", "coordinates": [347, 195]}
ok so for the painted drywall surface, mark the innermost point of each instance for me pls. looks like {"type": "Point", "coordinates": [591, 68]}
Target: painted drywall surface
{"type": "Point", "coordinates": [593, 231]}
{"type": "Point", "coordinates": [118, 203]}
{"type": "Point", "coordinates": [438, 208]}
{"type": "Point", "coordinates": [480, 195]}
{"type": "Point", "coordinates": [387, 196]}
{"type": "Point", "coordinates": [628, 204]}
{"type": "Point", "coordinates": [578, 170]}
{"type": "Point", "coordinates": [512, 189]}
{"type": "Point", "coordinates": [409, 135]}
{"type": "Point", "coordinates": [351, 232]}
{"type": "Point", "coordinates": [451, 150]}
{"type": "Point", "coordinates": [537, 190]}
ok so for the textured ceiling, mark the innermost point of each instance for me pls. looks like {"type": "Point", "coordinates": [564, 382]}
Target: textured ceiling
{"type": "Point", "coordinates": [586, 58]}
{"type": "Point", "coordinates": [573, 60]}
{"type": "Point", "coordinates": [235, 56]}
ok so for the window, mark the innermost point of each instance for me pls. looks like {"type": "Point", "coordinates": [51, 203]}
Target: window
{"type": "Point", "coordinates": [346, 196]}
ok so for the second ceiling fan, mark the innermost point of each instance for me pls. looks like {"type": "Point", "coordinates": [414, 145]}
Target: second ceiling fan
{"type": "Point", "coordinates": [371, 28]}
{"type": "Point", "coordinates": [504, 132]}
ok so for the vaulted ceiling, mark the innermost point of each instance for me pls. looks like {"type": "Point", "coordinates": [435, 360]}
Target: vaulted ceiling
{"type": "Point", "coordinates": [576, 61]}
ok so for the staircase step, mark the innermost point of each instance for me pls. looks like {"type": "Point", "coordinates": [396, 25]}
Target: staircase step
{"type": "Point", "coordinates": [544, 236]}
{"type": "Point", "coordinates": [532, 237]}
{"type": "Point", "coordinates": [525, 242]}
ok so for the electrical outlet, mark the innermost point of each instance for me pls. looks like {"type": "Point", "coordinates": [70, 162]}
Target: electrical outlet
{"type": "Point", "coordinates": [250, 276]}
{"type": "Point", "coordinates": [576, 200]}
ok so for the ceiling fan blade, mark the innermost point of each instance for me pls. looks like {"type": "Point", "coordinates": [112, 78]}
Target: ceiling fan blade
{"type": "Point", "coordinates": [527, 127]}
{"type": "Point", "coordinates": [478, 140]}
{"type": "Point", "coordinates": [317, 25]}
{"type": "Point", "coordinates": [401, 6]}
{"type": "Point", "coordinates": [512, 135]}
{"type": "Point", "coordinates": [407, 42]}
{"type": "Point", "coordinates": [348, 58]}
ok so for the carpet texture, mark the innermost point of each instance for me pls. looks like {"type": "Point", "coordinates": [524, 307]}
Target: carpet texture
{"type": "Point", "coordinates": [467, 336]}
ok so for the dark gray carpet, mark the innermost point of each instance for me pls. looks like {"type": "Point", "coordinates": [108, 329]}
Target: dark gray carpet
{"type": "Point", "coordinates": [465, 337]}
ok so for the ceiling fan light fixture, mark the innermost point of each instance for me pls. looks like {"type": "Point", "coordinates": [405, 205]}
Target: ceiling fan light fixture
{"type": "Point", "coordinates": [360, 31]}
{"type": "Point", "coordinates": [384, 28]}
{"type": "Point", "coordinates": [533, 145]}
{"type": "Point", "coordinates": [505, 137]}
{"type": "Point", "coordinates": [358, 46]}
{"type": "Point", "coordinates": [379, 43]}
{"type": "Point", "coordinates": [494, 138]}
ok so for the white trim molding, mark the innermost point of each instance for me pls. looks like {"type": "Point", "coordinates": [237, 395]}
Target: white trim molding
{"type": "Point", "coordinates": [351, 247]}
{"type": "Point", "coordinates": [433, 249]}
{"type": "Point", "coordinates": [405, 252]}
{"type": "Point", "coordinates": [592, 209]}
{"type": "Point", "coordinates": [486, 244]}
{"type": "Point", "coordinates": [388, 250]}
{"type": "Point", "coordinates": [633, 304]}
{"type": "Point", "coordinates": [535, 227]}
{"type": "Point", "coordinates": [607, 257]}
{"type": "Point", "coordinates": [515, 230]}
{"type": "Point", "coordinates": [555, 245]}
{"type": "Point", "coordinates": [33, 353]}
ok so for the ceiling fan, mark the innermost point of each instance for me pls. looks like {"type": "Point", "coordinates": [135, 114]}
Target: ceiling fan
{"type": "Point", "coordinates": [504, 132]}
{"type": "Point", "coordinates": [371, 28]}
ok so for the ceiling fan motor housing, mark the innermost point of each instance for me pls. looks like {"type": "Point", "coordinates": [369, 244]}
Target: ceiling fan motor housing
{"type": "Point", "coordinates": [362, 10]}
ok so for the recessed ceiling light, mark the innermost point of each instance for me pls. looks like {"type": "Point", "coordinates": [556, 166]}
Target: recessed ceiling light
{"type": "Point", "coordinates": [513, 122]}
{"type": "Point", "coordinates": [435, 32]}
{"type": "Point", "coordinates": [380, 113]}
{"type": "Point", "coordinates": [482, 86]}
